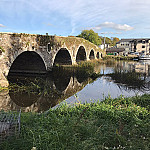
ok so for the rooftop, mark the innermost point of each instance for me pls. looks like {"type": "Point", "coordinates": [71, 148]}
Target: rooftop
{"type": "Point", "coordinates": [113, 49]}
{"type": "Point", "coordinates": [131, 40]}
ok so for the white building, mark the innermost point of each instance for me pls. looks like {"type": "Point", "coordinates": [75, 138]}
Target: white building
{"type": "Point", "coordinates": [135, 45]}
{"type": "Point", "coordinates": [102, 46]}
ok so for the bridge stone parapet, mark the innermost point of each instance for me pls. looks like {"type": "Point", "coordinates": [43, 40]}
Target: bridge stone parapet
{"type": "Point", "coordinates": [18, 47]}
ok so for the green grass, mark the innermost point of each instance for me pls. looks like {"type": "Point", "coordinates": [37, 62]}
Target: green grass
{"type": "Point", "coordinates": [1, 49]}
{"type": "Point", "coordinates": [119, 57]}
{"type": "Point", "coordinates": [121, 123]}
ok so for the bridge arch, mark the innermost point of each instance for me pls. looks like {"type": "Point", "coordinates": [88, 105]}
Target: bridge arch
{"type": "Point", "coordinates": [63, 57]}
{"type": "Point", "coordinates": [91, 56]}
{"type": "Point", "coordinates": [27, 62]}
{"type": "Point", "coordinates": [81, 54]}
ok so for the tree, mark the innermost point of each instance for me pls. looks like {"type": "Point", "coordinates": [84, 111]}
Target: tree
{"type": "Point", "coordinates": [91, 36]}
{"type": "Point", "coordinates": [115, 40]}
{"type": "Point", "coordinates": [108, 41]}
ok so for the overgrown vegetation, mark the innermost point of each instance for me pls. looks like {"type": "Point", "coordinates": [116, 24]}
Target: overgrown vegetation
{"type": "Point", "coordinates": [3, 88]}
{"type": "Point", "coordinates": [37, 86]}
{"type": "Point", "coordinates": [60, 75]}
{"type": "Point", "coordinates": [1, 50]}
{"type": "Point", "coordinates": [118, 57]}
{"type": "Point", "coordinates": [129, 79]}
{"type": "Point", "coordinates": [84, 69]}
{"type": "Point", "coordinates": [121, 123]}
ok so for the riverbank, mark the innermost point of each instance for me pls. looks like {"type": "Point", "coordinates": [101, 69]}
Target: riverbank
{"type": "Point", "coordinates": [129, 57]}
{"type": "Point", "coordinates": [122, 123]}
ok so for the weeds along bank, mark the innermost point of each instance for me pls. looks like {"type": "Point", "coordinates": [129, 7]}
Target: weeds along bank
{"type": "Point", "coordinates": [122, 123]}
{"type": "Point", "coordinates": [120, 57]}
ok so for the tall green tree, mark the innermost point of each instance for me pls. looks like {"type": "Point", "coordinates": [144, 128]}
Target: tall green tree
{"type": "Point", "coordinates": [91, 36]}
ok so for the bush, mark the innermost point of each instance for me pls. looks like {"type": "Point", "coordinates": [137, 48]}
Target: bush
{"type": "Point", "coordinates": [121, 123]}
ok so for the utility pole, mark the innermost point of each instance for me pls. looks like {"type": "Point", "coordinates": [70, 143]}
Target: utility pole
{"type": "Point", "coordinates": [104, 40]}
{"type": "Point", "coordinates": [108, 33]}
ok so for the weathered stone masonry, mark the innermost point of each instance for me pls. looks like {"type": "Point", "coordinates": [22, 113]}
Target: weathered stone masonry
{"type": "Point", "coordinates": [13, 44]}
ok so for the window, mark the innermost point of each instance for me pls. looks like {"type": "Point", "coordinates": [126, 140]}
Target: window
{"type": "Point", "coordinates": [143, 46]}
{"type": "Point", "coordinates": [147, 41]}
{"type": "Point", "coordinates": [143, 42]}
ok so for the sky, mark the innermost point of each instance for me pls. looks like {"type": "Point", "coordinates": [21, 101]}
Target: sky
{"type": "Point", "coordinates": [111, 18]}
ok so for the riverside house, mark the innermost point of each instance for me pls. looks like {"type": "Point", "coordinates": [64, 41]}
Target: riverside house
{"type": "Point", "coordinates": [115, 51]}
{"type": "Point", "coordinates": [134, 45]}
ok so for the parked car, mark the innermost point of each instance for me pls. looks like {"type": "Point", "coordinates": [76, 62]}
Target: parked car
{"type": "Point", "coordinates": [132, 53]}
{"type": "Point", "coordinates": [137, 53]}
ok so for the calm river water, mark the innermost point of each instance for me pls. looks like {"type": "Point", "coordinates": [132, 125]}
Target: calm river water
{"type": "Point", "coordinates": [38, 94]}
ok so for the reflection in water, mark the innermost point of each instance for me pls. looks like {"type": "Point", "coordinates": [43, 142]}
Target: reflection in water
{"type": "Point", "coordinates": [128, 79]}
{"type": "Point", "coordinates": [61, 78]}
{"type": "Point", "coordinates": [132, 76]}
{"type": "Point", "coordinates": [40, 93]}
{"type": "Point", "coordinates": [23, 99]}
{"type": "Point", "coordinates": [119, 78]}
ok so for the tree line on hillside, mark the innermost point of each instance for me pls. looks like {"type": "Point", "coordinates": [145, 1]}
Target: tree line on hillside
{"type": "Point", "coordinates": [93, 37]}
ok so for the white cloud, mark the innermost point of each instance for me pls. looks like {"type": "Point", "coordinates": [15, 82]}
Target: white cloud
{"type": "Point", "coordinates": [112, 25]}
{"type": "Point", "coordinates": [70, 16]}
{"type": "Point", "coordinates": [111, 33]}
{"type": "Point", "coordinates": [1, 25]}
{"type": "Point", "coordinates": [49, 24]}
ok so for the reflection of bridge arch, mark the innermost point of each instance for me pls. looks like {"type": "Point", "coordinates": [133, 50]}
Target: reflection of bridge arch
{"type": "Point", "coordinates": [24, 99]}
{"type": "Point", "coordinates": [73, 84]}
{"type": "Point", "coordinates": [38, 103]}
{"type": "Point", "coordinates": [61, 84]}
{"type": "Point", "coordinates": [28, 62]}
{"type": "Point", "coordinates": [61, 79]}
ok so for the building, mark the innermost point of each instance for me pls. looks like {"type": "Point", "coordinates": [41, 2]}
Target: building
{"type": "Point", "coordinates": [134, 45]}
{"type": "Point", "coordinates": [115, 51]}
{"type": "Point", "coordinates": [126, 44]}
{"type": "Point", "coordinates": [104, 46]}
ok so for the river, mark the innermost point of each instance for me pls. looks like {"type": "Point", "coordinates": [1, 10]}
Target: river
{"type": "Point", "coordinates": [39, 93]}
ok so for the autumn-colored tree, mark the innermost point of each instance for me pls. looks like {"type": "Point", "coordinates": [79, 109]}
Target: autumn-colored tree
{"type": "Point", "coordinates": [115, 40]}
{"type": "Point", "coordinates": [91, 36]}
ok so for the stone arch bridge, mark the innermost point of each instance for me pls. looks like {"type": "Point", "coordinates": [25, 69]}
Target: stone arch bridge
{"type": "Point", "coordinates": [33, 53]}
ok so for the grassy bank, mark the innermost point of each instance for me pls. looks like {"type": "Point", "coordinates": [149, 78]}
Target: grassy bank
{"type": "Point", "coordinates": [130, 57]}
{"type": "Point", "coordinates": [122, 123]}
